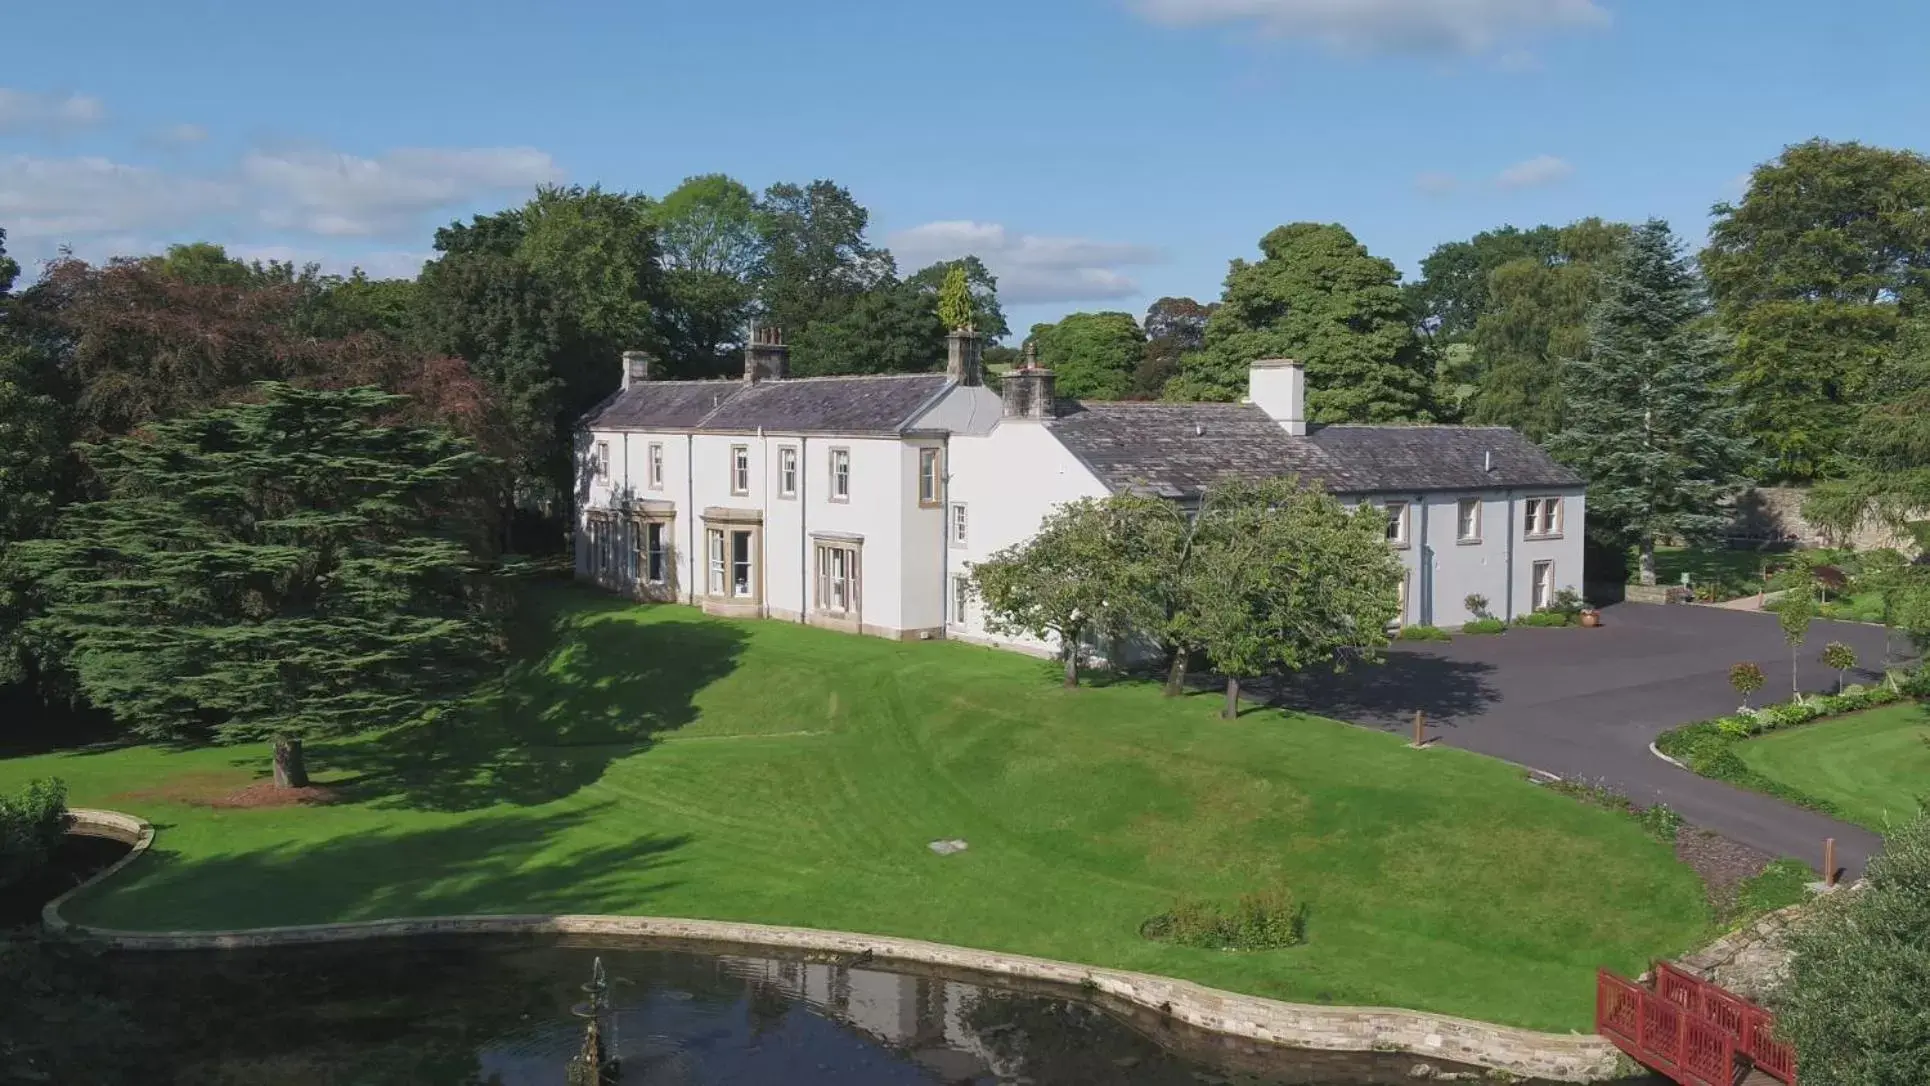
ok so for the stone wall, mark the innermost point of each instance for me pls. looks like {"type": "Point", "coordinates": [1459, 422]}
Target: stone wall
{"type": "Point", "coordinates": [1559, 1057]}
{"type": "Point", "coordinates": [1775, 513]}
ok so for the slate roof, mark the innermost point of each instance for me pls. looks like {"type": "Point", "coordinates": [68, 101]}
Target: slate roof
{"type": "Point", "coordinates": [1177, 450]}
{"type": "Point", "coordinates": [1391, 458]}
{"type": "Point", "coordinates": [844, 405]}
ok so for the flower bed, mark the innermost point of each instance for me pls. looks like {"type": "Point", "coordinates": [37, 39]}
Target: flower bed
{"type": "Point", "coordinates": [1707, 747]}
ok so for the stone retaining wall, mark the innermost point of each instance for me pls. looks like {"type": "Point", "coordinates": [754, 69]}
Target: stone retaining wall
{"type": "Point", "coordinates": [1561, 1057]}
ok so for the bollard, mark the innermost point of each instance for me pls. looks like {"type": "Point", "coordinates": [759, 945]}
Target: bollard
{"type": "Point", "coordinates": [1420, 728]}
{"type": "Point", "coordinates": [1829, 862]}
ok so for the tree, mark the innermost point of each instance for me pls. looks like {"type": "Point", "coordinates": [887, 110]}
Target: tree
{"type": "Point", "coordinates": [1839, 658]}
{"type": "Point", "coordinates": [1282, 576]}
{"type": "Point", "coordinates": [1747, 678]}
{"type": "Point", "coordinates": [982, 288]}
{"type": "Point", "coordinates": [1881, 473]}
{"type": "Point", "coordinates": [955, 308]}
{"type": "Point", "coordinates": [1175, 327]}
{"type": "Point", "coordinates": [1318, 296]}
{"type": "Point", "coordinates": [1811, 271]}
{"type": "Point", "coordinates": [1074, 580]}
{"type": "Point", "coordinates": [1452, 293]}
{"type": "Point", "coordinates": [1856, 1004]}
{"type": "Point", "coordinates": [1093, 354]}
{"type": "Point", "coordinates": [712, 249]}
{"type": "Point", "coordinates": [817, 261]}
{"type": "Point", "coordinates": [1534, 323]}
{"type": "Point", "coordinates": [1648, 423]}
{"type": "Point", "coordinates": [280, 569]}
{"type": "Point", "coordinates": [1794, 612]}
{"type": "Point", "coordinates": [893, 328]}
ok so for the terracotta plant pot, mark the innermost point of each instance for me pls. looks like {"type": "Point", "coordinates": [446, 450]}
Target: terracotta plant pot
{"type": "Point", "coordinates": [1591, 618]}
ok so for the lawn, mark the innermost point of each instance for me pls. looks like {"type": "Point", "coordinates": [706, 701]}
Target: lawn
{"type": "Point", "coordinates": [1723, 573]}
{"type": "Point", "coordinates": [651, 760]}
{"type": "Point", "coordinates": [1873, 765]}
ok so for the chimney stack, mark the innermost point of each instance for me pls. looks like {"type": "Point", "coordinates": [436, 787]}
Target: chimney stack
{"type": "Point", "coordinates": [963, 357]}
{"type": "Point", "coordinates": [1030, 392]}
{"type": "Point", "coordinates": [636, 367]}
{"type": "Point", "coordinates": [1278, 386]}
{"type": "Point", "coordinates": [766, 358]}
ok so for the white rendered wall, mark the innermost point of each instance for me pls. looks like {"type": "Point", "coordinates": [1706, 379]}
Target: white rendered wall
{"type": "Point", "coordinates": [1008, 480]}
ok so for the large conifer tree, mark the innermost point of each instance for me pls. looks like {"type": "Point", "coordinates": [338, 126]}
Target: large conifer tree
{"type": "Point", "coordinates": [282, 569]}
{"type": "Point", "coordinates": [1648, 420]}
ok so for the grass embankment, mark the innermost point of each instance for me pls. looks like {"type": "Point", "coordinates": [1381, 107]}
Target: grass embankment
{"type": "Point", "coordinates": [1718, 573]}
{"type": "Point", "coordinates": [655, 761]}
{"type": "Point", "coordinates": [1871, 766]}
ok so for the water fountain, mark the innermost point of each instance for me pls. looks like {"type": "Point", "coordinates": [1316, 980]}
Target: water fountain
{"type": "Point", "coordinates": [594, 1065]}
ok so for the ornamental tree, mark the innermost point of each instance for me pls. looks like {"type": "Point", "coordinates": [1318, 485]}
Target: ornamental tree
{"type": "Point", "coordinates": [280, 569]}
{"type": "Point", "coordinates": [1076, 579]}
{"type": "Point", "coordinates": [1794, 612]}
{"type": "Point", "coordinates": [955, 308]}
{"type": "Point", "coordinates": [1747, 678]}
{"type": "Point", "coordinates": [1839, 658]}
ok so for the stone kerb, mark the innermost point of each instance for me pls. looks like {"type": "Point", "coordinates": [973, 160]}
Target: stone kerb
{"type": "Point", "coordinates": [1528, 1053]}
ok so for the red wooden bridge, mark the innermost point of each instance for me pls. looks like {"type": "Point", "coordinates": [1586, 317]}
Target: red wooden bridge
{"type": "Point", "coordinates": [1691, 1030]}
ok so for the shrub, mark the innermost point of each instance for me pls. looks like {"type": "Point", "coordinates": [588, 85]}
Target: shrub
{"type": "Point", "coordinates": [1839, 658]}
{"type": "Point", "coordinates": [1488, 625]}
{"type": "Point", "coordinates": [1544, 618]}
{"type": "Point", "coordinates": [1661, 821]}
{"type": "Point", "coordinates": [1747, 678]}
{"type": "Point", "coordinates": [1567, 602]}
{"type": "Point", "coordinates": [1856, 1005]}
{"type": "Point", "coordinates": [1266, 920]}
{"type": "Point", "coordinates": [1477, 605]}
{"type": "Point", "coordinates": [32, 823]}
{"type": "Point", "coordinates": [1424, 633]}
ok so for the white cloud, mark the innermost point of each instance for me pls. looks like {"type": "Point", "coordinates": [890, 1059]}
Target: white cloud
{"type": "Point", "coordinates": [24, 110]}
{"type": "Point", "coordinates": [334, 194]}
{"type": "Point", "coordinates": [180, 135]}
{"type": "Point", "coordinates": [64, 197]}
{"type": "Point", "coordinates": [1031, 268]}
{"type": "Point", "coordinates": [1464, 27]}
{"type": "Point", "coordinates": [386, 264]}
{"type": "Point", "coordinates": [1535, 172]}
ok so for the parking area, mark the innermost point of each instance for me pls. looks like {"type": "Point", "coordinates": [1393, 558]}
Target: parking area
{"type": "Point", "coordinates": [1586, 703]}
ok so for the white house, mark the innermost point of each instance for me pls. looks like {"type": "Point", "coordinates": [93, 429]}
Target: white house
{"type": "Point", "coordinates": [860, 503]}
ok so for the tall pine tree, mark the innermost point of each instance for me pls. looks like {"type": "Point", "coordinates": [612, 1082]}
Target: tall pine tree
{"type": "Point", "coordinates": [1649, 423]}
{"type": "Point", "coordinates": [281, 569]}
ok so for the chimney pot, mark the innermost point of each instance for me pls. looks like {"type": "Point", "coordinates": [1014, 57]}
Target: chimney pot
{"type": "Point", "coordinates": [766, 358]}
{"type": "Point", "coordinates": [1029, 393]}
{"type": "Point", "coordinates": [963, 357]}
{"type": "Point", "coordinates": [636, 367]}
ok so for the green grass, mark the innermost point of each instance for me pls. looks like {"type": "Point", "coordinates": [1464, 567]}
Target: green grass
{"type": "Point", "coordinates": [1872, 766]}
{"type": "Point", "coordinates": [655, 761]}
{"type": "Point", "coordinates": [1728, 573]}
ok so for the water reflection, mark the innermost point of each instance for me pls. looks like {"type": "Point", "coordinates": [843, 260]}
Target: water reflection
{"type": "Point", "coordinates": [492, 1012]}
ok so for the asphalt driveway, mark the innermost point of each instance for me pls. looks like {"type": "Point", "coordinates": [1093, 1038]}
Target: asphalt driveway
{"type": "Point", "coordinates": [1586, 703]}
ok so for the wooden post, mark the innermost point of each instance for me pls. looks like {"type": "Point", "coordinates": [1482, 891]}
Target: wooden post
{"type": "Point", "coordinates": [1829, 862]}
{"type": "Point", "coordinates": [1420, 728]}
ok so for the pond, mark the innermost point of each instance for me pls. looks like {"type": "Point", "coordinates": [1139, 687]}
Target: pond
{"type": "Point", "coordinates": [501, 1011]}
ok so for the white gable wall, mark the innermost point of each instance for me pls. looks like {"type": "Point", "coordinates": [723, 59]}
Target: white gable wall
{"type": "Point", "coordinates": [1008, 480]}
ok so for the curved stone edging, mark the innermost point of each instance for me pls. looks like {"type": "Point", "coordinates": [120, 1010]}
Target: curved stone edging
{"type": "Point", "coordinates": [1657, 751]}
{"type": "Point", "coordinates": [1563, 1057]}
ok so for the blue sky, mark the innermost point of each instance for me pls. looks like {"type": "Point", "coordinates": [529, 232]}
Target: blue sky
{"type": "Point", "coordinates": [1097, 153]}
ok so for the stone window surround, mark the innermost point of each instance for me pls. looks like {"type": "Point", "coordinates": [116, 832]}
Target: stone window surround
{"type": "Point", "coordinates": [851, 619]}
{"type": "Point", "coordinates": [727, 520]}
{"type": "Point", "coordinates": [1397, 523]}
{"type": "Point", "coordinates": [740, 470]}
{"type": "Point", "coordinates": [931, 468]}
{"type": "Point", "coordinates": [836, 455]}
{"type": "Point", "coordinates": [655, 465]}
{"type": "Point", "coordinates": [958, 526]}
{"type": "Point", "coordinates": [1462, 535]}
{"type": "Point", "coordinates": [663, 514]}
{"type": "Point", "coordinates": [1528, 518]}
{"type": "Point", "coordinates": [787, 469]}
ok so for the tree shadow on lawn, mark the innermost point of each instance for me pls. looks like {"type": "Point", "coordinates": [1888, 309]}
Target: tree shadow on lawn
{"type": "Point", "coordinates": [588, 687]}
{"type": "Point", "coordinates": [1386, 695]}
{"type": "Point", "coordinates": [503, 864]}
